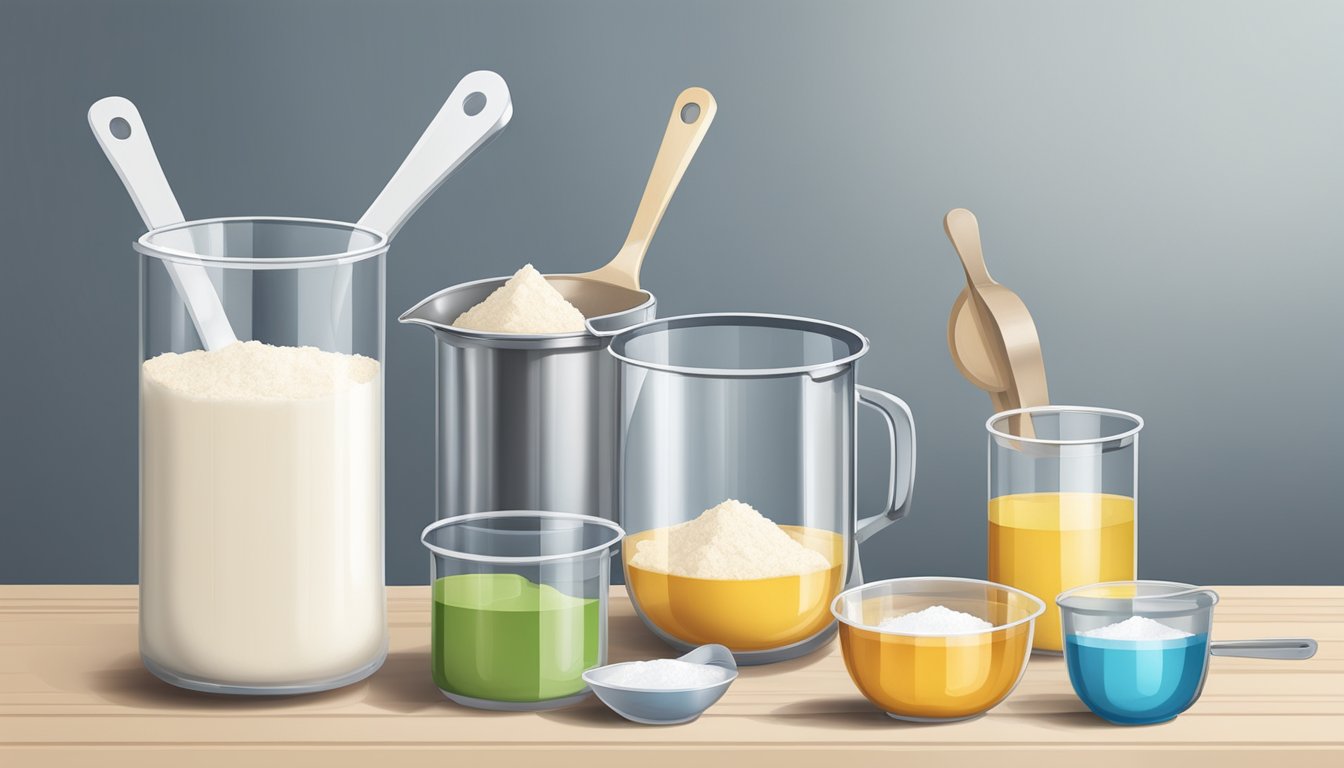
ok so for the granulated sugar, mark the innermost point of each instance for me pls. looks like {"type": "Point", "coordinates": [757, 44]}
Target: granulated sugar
{"type": "Point", "coordinates": [664, 674]}
{"type": "Point", "coordinates": [935, 620]}
{"type": "Point", "coordinates": [524, 304]}
{"type": "Point", "coordinates": [1136, 628]}
{"type": "Point", "coordinates": [729, 541]}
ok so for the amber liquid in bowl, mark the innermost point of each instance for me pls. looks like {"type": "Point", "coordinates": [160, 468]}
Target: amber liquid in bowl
{"type": "Point", "coordinates": [742, 614]}
{"type": "Point", "coordinates": [933, 677]}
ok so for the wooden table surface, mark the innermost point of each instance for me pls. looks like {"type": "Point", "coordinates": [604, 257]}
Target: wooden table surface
{"type": "Point", "coordinates": [73, 692]}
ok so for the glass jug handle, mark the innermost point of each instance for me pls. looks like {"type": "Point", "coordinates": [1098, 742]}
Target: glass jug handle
{"type": "Point", "coordinates": [900, 486]}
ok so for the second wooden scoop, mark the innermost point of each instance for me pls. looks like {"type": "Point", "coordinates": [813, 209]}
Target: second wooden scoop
{"type": "Point", "coordinates": [990, 334]}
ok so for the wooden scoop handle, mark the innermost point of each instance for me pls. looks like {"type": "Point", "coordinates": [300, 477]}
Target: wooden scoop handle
{"type": "Point", "coordinates": [686, 128]}
{"type": "Point", "coordinates": [1003, 324]}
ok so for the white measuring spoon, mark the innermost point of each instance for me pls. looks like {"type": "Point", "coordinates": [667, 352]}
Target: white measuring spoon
{"type": "Point", "coordinates": [121, 133]}
{"type": "Point", "coordinates": [474, 113]}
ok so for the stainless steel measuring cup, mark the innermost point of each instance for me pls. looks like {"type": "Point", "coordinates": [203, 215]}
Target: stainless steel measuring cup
{"type": "Point", "coordinates": [527, 421]}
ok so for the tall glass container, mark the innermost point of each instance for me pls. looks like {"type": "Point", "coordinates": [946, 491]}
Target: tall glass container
{"type": "Point", "coordinates": [261, 459]}
{"type": "Point", "coordinates": [721, 411]}
{"type": "Point", "coordinates": [1063, 500]}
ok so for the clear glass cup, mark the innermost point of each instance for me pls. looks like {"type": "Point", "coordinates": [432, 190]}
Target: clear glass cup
{"type": "Point", "coordinates": [936, 677]}
{"type": "Point", "coordinates": [519, 606]}
{"type": "Point", "coordinates": [760, 409]}
{"type": "Point", "coordinates": [1137, 651]}
{"type": "Point", "coordinates": [261, 462]}
{"type": "Point", "coordinates": [1063, 502]}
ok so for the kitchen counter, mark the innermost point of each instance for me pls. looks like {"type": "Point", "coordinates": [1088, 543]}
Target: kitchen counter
{"type": "Point", "coordinates": [73, 692]}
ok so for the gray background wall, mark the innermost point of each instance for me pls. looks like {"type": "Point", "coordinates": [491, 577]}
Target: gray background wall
{"type": "Point", "coordinates": [1160, 181]}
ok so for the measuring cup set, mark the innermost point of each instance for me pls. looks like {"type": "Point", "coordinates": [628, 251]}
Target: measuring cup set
{"type": "Point", "coordinates": [553, 447]}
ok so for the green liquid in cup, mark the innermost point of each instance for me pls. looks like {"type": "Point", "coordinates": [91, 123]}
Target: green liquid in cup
{"type": "Point", "coordinates": [500, 637]}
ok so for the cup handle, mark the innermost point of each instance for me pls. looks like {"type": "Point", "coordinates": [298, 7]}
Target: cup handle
{"type": "Point", "coordinates": [1288, 648]}
{"type": "Point", "coordinates": [900, 486]}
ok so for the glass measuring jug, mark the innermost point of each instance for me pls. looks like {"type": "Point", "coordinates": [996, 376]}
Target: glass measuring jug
{"type": "Point", "coordinates": [1063, 498]}
{"type": "Point", "coordinates": [261, 460]}
{"type": "Point", "coordinates": [520, 606]}
{"type": "Point", "coordinates": [726, 410]}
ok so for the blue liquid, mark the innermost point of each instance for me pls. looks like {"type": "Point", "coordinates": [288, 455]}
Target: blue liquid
{"type": "Point", "coordinates": [1137, 682]}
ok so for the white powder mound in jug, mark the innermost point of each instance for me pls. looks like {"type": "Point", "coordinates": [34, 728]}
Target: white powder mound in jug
{"type": "Point", "coordinates": [664, 674]}
{"type": "Point", "coordinates": [730, 541]}
{"type": "Point", "coordinates": [524, 304]}
{"type": "Point", "coordinates": [1137, 628]}
{"type": "Point", "coordinates": [935, 620]}
{"type": "Point", "coordinates": [261, 537]}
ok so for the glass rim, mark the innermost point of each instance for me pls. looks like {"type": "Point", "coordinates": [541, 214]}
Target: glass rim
{"type": "Point", "coordinates": [144, 245]}
{"type": "Point", "coordinates": [1040, 605]}
{"type": "Point", "coordinates": [856, 341]}
{"type": "Point", "coordinates": [1179, 589]}
{"type": "Point", "coordinates": [619, 534]}
{"type": "Point", "coordinates": [1136, 419]}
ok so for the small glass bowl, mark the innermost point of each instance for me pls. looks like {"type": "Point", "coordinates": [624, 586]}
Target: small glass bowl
{"type": "Point", "coordinates": [936, 677]}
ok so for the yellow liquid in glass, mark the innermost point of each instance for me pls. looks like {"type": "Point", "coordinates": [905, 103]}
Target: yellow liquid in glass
{"type": "Point", "coordinates": [743, 614]}
{"type": "Point", "coordinates": [1046, 543]}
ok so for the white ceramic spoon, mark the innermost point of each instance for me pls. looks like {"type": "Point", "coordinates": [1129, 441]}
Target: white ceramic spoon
{"type": "Point", "coordinates": [475, 112]}
{"type": "Point", "coordinates": [121, 133]}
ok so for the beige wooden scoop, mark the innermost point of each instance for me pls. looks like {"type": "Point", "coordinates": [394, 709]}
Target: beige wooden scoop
{"type": "Point", "coordinates": [990, 334]}
{"type": "Point", "coordinates": [615, 286]}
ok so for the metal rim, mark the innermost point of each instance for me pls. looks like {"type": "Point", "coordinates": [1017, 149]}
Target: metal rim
{"type": "Point", "coordinates": [1181, 590]}
{"type": "Point", "coordinates": [649, 301]}
{"type": "Point", "coordinates": [1039, 409]}
{"type": "Point", "coordinates": [520, 513]}
{"type": "Point", "coordinates": [381, 243]}
{"type": "Point", "coordinates": [1040, 605]}
{"type": "Point", "coordinates": [624, 336]}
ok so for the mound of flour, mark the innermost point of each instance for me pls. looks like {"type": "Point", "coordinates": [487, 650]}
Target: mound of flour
{"type": "Point", "coordinates": [251, 370]}
{"type": "Point", "coordinates": [1136, 628]}
{"type": "Point", "coordinates": [935, 620]}
{"type": "Point", "coordinates": [524, 304]}
{"type": "Point", "coordinates": [730, 541]}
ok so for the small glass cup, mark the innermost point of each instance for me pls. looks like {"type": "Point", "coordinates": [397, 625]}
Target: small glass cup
{"type": "Point", "coordinates": [935, 677]}
{"type": "Point", "coordinates": [1152, 668]}
{"type": "Point", "coordinates": [519, 606]}
{"type": "Point", "coordinates": [1063, 502]}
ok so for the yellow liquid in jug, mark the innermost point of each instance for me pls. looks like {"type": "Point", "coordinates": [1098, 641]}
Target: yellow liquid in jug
{"type": "Point", "coordinates": [743, 614]}
{"type": "Point", "coordinates": [1046, 543]}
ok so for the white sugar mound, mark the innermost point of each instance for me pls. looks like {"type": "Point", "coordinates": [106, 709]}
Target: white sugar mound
{"type": "Point", "coordinates": [935, 620]}
{"type": "Point", "coordinates": [524, 304]}
{"type": "Point", "coordinates": [1136, 628]}
{"type": "Point", "coordinates": [728, 541]}
{"type": "Point", "coordinates": [251, 370]}
{"type": "Point", "coordinates": [663, 674]}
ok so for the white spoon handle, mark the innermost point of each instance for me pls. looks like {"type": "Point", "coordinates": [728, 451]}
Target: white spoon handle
{"type": "Point", "coordinates": [450, 139]}
{"type": "Point", "coordinates": [121, 133]}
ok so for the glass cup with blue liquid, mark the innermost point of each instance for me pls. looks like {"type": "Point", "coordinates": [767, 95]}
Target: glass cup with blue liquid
{"type": "Point", "coordinates": [1138, 651]}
